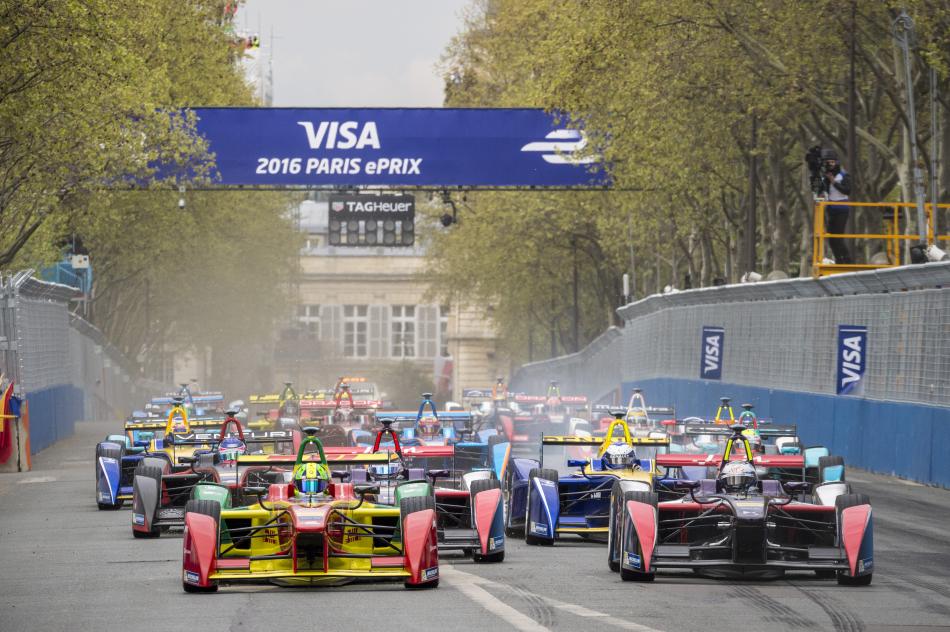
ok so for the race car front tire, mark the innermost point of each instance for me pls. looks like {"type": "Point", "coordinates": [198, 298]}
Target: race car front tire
{"type": "Point", "coordinates": [478, 486]}
{"type": "Point", "coordinates": [647, 498]}
{"type": "Point", "coordinates": [411, 505]}
{"type": "Point", "coordinates": [110, 453]}
{"type": "Point", "coordinates": [510, 531]}
{"type": "Point", "coordinates": [841, 503]}
{"type": "Point", "coordinates": [156, 474]}
{"type": "Point", "coordinates": [543, 473]}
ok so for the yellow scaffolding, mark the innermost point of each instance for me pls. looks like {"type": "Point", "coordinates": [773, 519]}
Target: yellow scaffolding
{"type": "Point", "coordinates": [893, 238]}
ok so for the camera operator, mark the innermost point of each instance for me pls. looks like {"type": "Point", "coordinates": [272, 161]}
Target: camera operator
{"type": "Point", "coordinates": [837, 186]}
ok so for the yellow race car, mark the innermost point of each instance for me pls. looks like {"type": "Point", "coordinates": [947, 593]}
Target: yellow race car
{"type": "Point", "coordinates": [309, 530]}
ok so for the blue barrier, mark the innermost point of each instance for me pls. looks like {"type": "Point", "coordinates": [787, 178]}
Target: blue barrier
{"type": "Point", "coordinates": [54, 412]}
{"type": "Point", "coordinates": [898, 438]}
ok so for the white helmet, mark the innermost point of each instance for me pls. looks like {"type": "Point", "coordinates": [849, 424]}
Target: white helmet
{"type": "Point", "coordinates": [619, 456]}
{"type": "Point", "coordinates": [736, 477]}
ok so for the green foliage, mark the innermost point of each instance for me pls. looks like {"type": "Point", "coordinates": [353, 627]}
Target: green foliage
{"type": "Point", "coordinates": [667, 91]}
{"type": "Point", "coordinates": [90, 92]}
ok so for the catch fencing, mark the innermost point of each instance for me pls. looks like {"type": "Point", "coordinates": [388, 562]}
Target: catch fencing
{"type": "Point", "coordinates": [60, 364]}
{"type": "Point", "coordinates": [780, 350]}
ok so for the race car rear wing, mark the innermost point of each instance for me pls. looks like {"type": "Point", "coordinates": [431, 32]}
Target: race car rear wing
{"type": "Point", "coordinates": [658, 411]}
{"type": "Point", "coordinates": [264, 399]}
{"type": "Point", "coordinates": [764, 430]}
{"type": "Point", "coordinates": [360, 458]}
{"type": "Point", "coordinates": [197, 399]}
{"type": "Point", "coordinates": [575, 400]}
{"type": "Point", "coordinates": [405, 415]}
{"type": "Point", "coordinates": [476, 393]}
{"type": "Point", "coordinates": [714, 460]}
{"type": "Point", "coordinates": [329, 404]}
{"type": "Point", "coordinates": [584, 440]}
{"type": "Point", "coordinates": [200, 422]}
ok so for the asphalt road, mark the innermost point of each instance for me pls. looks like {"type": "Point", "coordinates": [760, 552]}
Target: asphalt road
{"type": "Point", "coordinates": [64, 565]}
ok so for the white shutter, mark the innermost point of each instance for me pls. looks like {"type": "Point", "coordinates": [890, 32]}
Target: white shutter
{"type": "Point", "coordinates": [427, 323]}
{"type": "Point", "coordinates": [379, 331]}
{"type": "Point", "coordinates": [331, 329]}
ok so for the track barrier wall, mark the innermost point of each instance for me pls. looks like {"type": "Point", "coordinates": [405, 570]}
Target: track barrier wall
{"type": "Point", "coordinates": [61, 366]}
{"type": "Point", "coordinates": [780, 351]}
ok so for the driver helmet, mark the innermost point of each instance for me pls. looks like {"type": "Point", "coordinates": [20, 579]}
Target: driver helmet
{"type": "Point", "coordinates": [428, 426]}
{"type": "Point", "coordinates": [737, 477]}
{"type": "Point", "coordinates": [311, 478]}
{"type": "Point", "coordinates": [178, 424]}
{"type": "Point", "coordinates": [230, 449]}
{"type": "Point", "coordinates": [619, 456]}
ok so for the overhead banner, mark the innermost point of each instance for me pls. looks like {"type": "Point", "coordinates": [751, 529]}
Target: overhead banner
{"type": "Point", "coordinates": [852, 359]}
{"type": "Point", "coordinates": [397, 147]}
{"type": "Point", "coordinates": [711, 346]}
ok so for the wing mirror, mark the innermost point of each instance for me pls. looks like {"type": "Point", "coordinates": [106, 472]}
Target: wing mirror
{"type": "Point", "coordinates": [434, 474]}
{"type": "Point", "coordinates": [795, 487]}
{"type": "Point", "coordinates": [686, 486]}
{"type": "Point", "coordinates": [255, 491]}
{"type": "Point", "coordinates": [187, 460]}
{"type": "Point", "coordinates": [577, 462]}
{"type": "Point", "coordinates": [142, 444]}
{"type": "Point", "coordinates": [340, 474]}
{"type": "Point", "coordinates": [364, 490]}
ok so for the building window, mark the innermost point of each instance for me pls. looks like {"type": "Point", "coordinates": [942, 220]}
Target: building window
{"type": "Point", "coordinates": [443, 331]}
{"type": "Point", "coordinates": [309, 318]}
{"type": "Point", "coordinates": [314, 240]}
{"type": "Point", "coordinates": [403, 331]}
{"type": "Point", "coordinates": [355, 329]}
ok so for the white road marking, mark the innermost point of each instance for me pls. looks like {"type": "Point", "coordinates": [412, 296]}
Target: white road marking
{"type": "Point", "coordinates": [910, 483]}
{"type": "Point", "coordinates": [469, 585]}
{"type": "Point", "coordinates": [38, 479]}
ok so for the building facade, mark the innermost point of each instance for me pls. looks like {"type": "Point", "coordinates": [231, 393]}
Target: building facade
{"type": "Point", "coordinates": [366, 310]}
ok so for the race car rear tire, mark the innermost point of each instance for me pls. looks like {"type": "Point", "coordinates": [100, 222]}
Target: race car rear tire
{"type": "Point", "coordinates": [841, 503]}
{"type": "Point", "coordinates": [829, 461]}
{"type": "Point", "coordinates": [647, 498]}
{"type": "Point", "coordinates": [547, 474]}
{"type": "Point", "coordinates": [155, 473]}
{"type": "Point", "coordinates": [111, 453]}
{"type": "Point", "coordinates": [479, 486]}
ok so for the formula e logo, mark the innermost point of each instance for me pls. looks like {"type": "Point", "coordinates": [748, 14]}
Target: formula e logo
{"type": "Point", "coordinates": [865, 565]}
{"type": "Point", "coordinates": [430, 573]}
{"type": "Point", "coordinates": [138, 519]}
{"type": "Point", "coordinates": [712, 347]}
{"type": "Point", "coordinates": [562, 147]}
{"type": "Point", "coordinates": [345, 135]}
{"type": "Point", "coordinates": [192, 577]}
{"type": "Point", "coordinates": [634, 561]}
{"type": "Point", "coordinates": [496, 543]}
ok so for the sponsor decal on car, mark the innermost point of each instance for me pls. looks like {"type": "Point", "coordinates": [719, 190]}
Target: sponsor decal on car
{"type": "Point", "coordinates": [430, 573]}
{"type": "Point", "coordinates": [539, 527]}
{"type": "Point", "coordinates": [192, 577]}
{"type": "Point", "coordinates": [104, 497]}
{"type": "Point", "coordinates": [138, 518]}
{"type": "Point", "coordinates": [865, 565]}
{"type": "Point", "coordinates": [496, 543]}
{"type": "Point", "coordinates": [545, 482]}
{"type": "Point", "coordinates": [634, 560]}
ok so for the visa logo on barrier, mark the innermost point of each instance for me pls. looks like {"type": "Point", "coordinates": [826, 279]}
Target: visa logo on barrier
{"type": "Point", "coordinates": [711, 353]}
{"type": "Point", "coordinates": [852, 356]}
{"type": "Point", "coordinates": [337, 135]}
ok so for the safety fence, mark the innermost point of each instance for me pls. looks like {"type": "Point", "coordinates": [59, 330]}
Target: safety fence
{"type": "Point", "coordinates": [859, 361]}
{"type": "Point", "coordinates": [61, 366]}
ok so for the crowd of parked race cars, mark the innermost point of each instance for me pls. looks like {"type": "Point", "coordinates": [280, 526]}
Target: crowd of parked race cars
{"type": "Point", "coordinates": [329, 487]}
